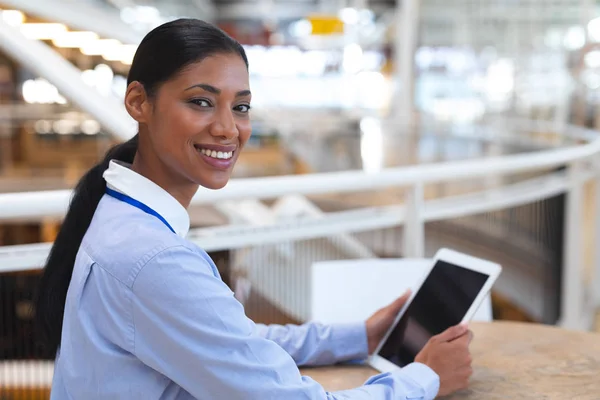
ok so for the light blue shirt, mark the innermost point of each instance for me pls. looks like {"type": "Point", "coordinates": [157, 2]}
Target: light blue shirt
{"type": "Point", "coordinates": [148, 317]}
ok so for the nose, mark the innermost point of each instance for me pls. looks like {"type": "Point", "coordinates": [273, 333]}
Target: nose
{"type": "Point", "coordinates": [224, 126]}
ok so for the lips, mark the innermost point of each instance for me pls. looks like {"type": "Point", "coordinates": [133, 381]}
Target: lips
{"type": "Point", "coordinates": [221, 155]}
{"type": "Point", "coordinates": [218, 157]}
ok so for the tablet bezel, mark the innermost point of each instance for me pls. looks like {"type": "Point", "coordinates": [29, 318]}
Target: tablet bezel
{"type": "Point", "coordinates": [453, 257]}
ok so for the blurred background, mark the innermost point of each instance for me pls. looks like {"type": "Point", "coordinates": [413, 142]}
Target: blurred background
{"type": "Point", "coordinates": [381, 129]}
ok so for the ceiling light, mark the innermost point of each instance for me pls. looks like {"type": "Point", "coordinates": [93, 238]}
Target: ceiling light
{"type": "Point", "coordinates": [123, 53]}
{"type": "Point", "coordinates": [574, 38]}
{"type": "Point", "coordinates": [90, 127]}
{"type": "Point", "coordinates": [75, 39]}
{"type": "Point", "coordinates": [593, 28]}
{"type": "Point", "coordinates": [13, 17]}
{"type": "Point", "coordinates": [353, 58]}
{"type": "Point", "coordinates": [99, 47]}
{"type": "Point", "coordinates": [349, 15]}
{"type": "Point", "coordinates": [43, 126]}
{"type": "Point", "coordinates": [42, 31]}
{"type": "Point", "coordinates": [300, 28]}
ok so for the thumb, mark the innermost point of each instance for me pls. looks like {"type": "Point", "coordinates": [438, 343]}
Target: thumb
{"type": "Point", "coordinates": [452, 333]}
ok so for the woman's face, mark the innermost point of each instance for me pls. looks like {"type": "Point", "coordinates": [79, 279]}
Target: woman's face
{"type": "Point", "coordinates": [197, 123]}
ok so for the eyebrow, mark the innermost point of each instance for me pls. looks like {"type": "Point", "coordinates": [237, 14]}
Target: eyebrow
{"type": "Point", "coordinates": [214, 90]}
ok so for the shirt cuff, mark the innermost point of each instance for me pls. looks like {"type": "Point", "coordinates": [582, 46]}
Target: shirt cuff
{"type": "Point", "coordinates": [350, 341]}
{"type": "Point", "coordinates": [424, 377]}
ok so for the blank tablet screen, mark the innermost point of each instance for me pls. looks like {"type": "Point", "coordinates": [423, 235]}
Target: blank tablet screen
{"type": "Point", "coordinates": [441, 302]}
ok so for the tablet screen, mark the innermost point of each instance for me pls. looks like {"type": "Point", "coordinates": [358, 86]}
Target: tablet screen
{"type": "Point", "coordinates": [441, 302]}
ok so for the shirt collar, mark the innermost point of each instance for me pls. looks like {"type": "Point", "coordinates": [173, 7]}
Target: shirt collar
{"type": "Point", "coordinates": [120, 177]}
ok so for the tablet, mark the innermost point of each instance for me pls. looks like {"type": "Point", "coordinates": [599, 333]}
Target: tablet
{"type": "Point", "coordinates": [451, 293]}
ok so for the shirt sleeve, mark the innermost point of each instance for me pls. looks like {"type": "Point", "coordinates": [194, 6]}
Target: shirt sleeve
{"type": "Point", "coordinates": [315, 344]}
{"type": "Point", "coordinates": [189, 327]}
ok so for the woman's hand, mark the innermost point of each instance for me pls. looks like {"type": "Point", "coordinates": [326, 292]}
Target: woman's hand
{"type": "Point", "coordinates": [380, 322]}
{"type": "Point", "coordinates": [448, 355]}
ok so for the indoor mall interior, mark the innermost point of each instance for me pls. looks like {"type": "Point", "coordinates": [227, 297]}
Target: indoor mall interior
{"type": "Point", "coordinates": [381, 132]}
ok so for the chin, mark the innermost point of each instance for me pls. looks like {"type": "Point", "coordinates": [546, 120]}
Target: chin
{"type": "Point", "coordinates": [214, 184]}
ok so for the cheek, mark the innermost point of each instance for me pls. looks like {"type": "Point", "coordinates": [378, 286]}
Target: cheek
{"type": "Point", "coordinates": [189, 119]}
{"type": "Point", "coordinates": [181, 124]}
{"type": "Point", "coordinates": [245, 130]}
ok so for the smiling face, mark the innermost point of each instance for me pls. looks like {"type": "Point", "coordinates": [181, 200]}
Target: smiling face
{"type": "Point", "coordinates": [193, 128]}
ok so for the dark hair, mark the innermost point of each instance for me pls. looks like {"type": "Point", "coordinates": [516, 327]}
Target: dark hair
{"type": "Point", "coordinates": [175, 45]}
{"type": "Point", "coordinates": [161, 55]}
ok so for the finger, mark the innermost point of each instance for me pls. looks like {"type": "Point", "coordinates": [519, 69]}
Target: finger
{"type": "Point", "coordinates": [463, 340]}
{"type": "Point", "coordinates": [460, 358]}
{"type": "Point", "coordinates": [400, 301]}
{"type": "Point", "coordinates": [464, 376]}
{"type": "Point", "coordinates": [452, 333]}
{"type": "Point", "coordinates": [465, 372]}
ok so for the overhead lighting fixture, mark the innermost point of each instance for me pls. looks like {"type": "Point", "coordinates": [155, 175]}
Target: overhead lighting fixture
{"type": "Point", "coordinates": [574, 38]}
{"type": "Point", "coordinates": [353, 58]}
{"type": "Point", "coordinates": [593, 29]}
{"type": "Point", "coordinates": [43, 126]}
{"type": "Point", "coordinates": [123, 53]}
{"type": "Point", "coordinates": [74, 39]}
{"type": "Point", "coordinates": [100, 47]}
{"type": "Point", "coordinates": [349, 15]}
{"type": "Point", "coordinates": [40, 91]}
{"type": "Point", "coordinates": [63, 127]}
{"type": "Point", "coordinates": [300, 28]}
{"type": "Point", "coordinates": [43, 31]}
{"type": "Point", "coordinates": [592, 59]}
{"type": "Point", "coordinates": [90, 127]}
{"type": "Point", "coordinates": [128, 55]}
{"type": "Point", "coordinates": [13, 17]}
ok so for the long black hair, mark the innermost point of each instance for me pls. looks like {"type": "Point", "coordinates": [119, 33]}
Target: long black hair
{"type": "Point", "coordinates": [161, 55]}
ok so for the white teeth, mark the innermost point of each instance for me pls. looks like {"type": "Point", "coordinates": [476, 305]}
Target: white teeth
{"type": "Point", "coordinates": [217, 154]}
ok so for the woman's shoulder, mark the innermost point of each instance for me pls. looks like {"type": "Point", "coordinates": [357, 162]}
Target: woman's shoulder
{"type": "Point", "coordinates": [122, 245]}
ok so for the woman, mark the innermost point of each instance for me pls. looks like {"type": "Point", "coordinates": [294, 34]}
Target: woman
{"type": "Point", "coordinates": [134, 311]}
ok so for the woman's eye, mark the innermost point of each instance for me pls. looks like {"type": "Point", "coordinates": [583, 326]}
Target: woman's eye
{"type": "Point", "coordinates": [243, 108]}
{"type": "Point", "coordinates": [201, 102]}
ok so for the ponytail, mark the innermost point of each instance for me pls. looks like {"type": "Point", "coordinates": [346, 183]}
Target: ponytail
{"type": "Point", "coordinates": [52, 292]}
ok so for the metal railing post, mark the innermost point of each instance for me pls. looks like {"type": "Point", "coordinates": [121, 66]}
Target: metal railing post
{"type": "Point", "coordinates": [414, 226]}
{"type": "Point", "coordinates": [595, 287]}
{"type": "Point", "coordinates": [572, 292]}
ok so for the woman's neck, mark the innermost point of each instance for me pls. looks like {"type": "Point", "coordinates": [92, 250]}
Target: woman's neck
{"type": "Point", "coordinates": [181, 190]}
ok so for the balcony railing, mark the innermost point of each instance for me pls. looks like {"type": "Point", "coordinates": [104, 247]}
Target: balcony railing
{"type": "Point", "coordinates": [578, 165]}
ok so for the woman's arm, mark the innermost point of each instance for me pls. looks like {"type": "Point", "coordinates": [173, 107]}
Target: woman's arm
{"type": "Point", "coordinates": [189, 327]}
{"type": "Point", "coordinates": [317, 344]}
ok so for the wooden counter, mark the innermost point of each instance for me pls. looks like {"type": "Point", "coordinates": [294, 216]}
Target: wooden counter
{"type": "Point", "coordinates": [511, 361]}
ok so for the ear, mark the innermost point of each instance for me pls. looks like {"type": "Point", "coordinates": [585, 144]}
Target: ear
{"type": "Point", "coordinates": [137, 102]}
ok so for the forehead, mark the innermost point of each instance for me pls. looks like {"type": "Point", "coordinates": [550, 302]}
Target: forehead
{"type": "Point", "coordinates": [224, 71]}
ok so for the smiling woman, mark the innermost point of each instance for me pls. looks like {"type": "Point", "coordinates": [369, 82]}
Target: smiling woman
{"type": "Point", "coordinates": [133, 310]}
{"type": "Point", "coordinates": [175, 116]}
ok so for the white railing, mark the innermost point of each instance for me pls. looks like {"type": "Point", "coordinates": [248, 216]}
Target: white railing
{"type": "Point", "coordinates": [579, 298]}
{"type": "Point", "coordinates": [54, 203]}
